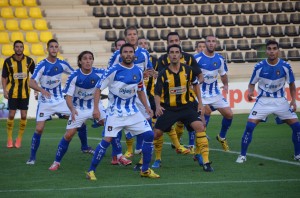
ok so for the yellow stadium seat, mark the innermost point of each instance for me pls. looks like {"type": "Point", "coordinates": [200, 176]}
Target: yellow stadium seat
{"type": "Point", "coordinates": [26, 24]}
{"type": "Point", "coordinates": [4, 37]}
{"type": "Point", "coordinates": [45, 36]}
{"type": "Point", "coordinates": [16, 3]}
{"type": "Point", "coordinates": [30, 3]}
{"type": "Point", "coordinates": [7, 13]}
{"type": "Point", "coordinates": [4, 3]}
{"type": "Point", "coordinates": [26, 50]}
{"type": "Point", "coordinates": [16, 36]}
{"type": "Point", "coordinates": [21, 12]}
{"type": "Point", "coordinates": [32, 37]}
{"type": "Point", "coordinates": [7, 50]}
{"type": "Point", "coordinates": [2, 25]}
{"type": "Point", "coordinates": [12, 24]}
{"type": "Point", "coordinates": [40, 24]}
{"type": "Point", "coordinates": [39, 59]}
{"type": "Point", "coordinates": [35, 12]}
{"type": "Point", "coordinates": [37, 50]}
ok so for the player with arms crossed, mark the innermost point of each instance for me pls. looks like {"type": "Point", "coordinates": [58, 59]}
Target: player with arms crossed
{"type": "Point", "coordinates": [125, 83]}
{"type": "Point", "coordinates": [271, 75]}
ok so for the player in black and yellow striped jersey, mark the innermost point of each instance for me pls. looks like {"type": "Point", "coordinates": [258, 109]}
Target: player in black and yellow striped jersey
{"type": "Point", "coordinates": [163, 62]}
{"type": "Point", "coordinates": [174, 103]}
{"type": "Point", "coordinates": [15, 83]}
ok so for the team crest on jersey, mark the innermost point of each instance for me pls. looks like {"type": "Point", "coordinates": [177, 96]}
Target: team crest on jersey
{"type": "Point", "coordinates": [277, 72]}
{"type": "Point", "coordinates": [254, 113]}
{"type": "Point", "coordinates": [215, 64]}
{"type": "Point", "coordinates": [109, 128]}
{"type": "Point", "coordinates": [41, 114]}
{"type": "Point", "coordinates": [134, 77]}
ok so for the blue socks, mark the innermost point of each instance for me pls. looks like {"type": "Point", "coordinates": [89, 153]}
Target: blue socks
{"type": "Point", "coordinates": [207, 117]}
{"type": "Point", "coordinates": [147, 149]}
{"type": "Point", "coordinates": [247, 137]}
{"type": "Point", "coordinates": [99, 154]}
{"type": "Point", "coordinates": [226, 123]}
{"type": "Point", "coordinates": [296, 137]}
{"type": "Point", "coordinates": [82, 134]}
{"type": "Point", "coordinates": [61, 149]}
{"type": "Point", "coordinates": [191, 138]}
{"type": "Point", "coordinates": [35, 143]}
{"type": "Point", "coordinates": [116, 145]}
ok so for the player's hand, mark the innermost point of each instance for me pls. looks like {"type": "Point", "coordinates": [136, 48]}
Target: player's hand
{"type": "Point", "coordinates": [74, 113]}
{"type": "Point", "coordinates": [159, 111]}
{"type": "Point", "coordinates": [149, 112]}
{"type": "Point", "coordinates": [5, 94]}
{"type": "Point", "coordinates": [293, 105]}
{"type": "Point", "coordinates": [46, 94]}
{"type": "Point", "coordinates": [96, 114]}
{"type": "Point", "coordinates": [251, 96]}
{"type": "Point", "coordinates": [225, 88]}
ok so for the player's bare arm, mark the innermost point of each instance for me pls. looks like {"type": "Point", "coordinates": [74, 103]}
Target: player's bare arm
{"type": "Point", "coordinates": [34, 85]}
{"type": "Point", "coordinates": [293, 104]}
{"type": "Point", "coordinates": [159, 109]}
{"type": "Point", "coordinates": [224, 80]}
{"type": "Point", "coordinates": [251, 92]}
{"type": "Point", "coordinates": [142, 96]}
{"type": "Point", "coordinates": [96, 112]}
{"type": "Point", "coordinates": [4, 83]}
{"type": "Point", "coordinates": [69, 101]}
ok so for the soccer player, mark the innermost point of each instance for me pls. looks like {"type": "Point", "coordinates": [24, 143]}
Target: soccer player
{"type": "Point", "coordinates": [48, 74]}
{"type": "Point", "coordinates": [118, 43]}
{"type": "Point", "coordinates": [177, 131]}
{"type": "Point", "coordinates": [125, 82]}
{"type": "Point", "coordinates": [271, 75]}
{"type": "Point", "coordinates": [142, 59]}
{"type": "Point", "coordinates": [173, 102]}
{"type": "Point", "coordinates": [79, 91]}
{"type": "Point", "coordinates": [15, 83]}
{"type": "Point", "coordinates": [200, 46]}
{"type": "Point", "coordinates": [212, 64]}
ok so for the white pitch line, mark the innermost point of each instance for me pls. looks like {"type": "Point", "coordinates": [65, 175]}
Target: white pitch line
{"type": "Point", "coordinates": [156, 184]}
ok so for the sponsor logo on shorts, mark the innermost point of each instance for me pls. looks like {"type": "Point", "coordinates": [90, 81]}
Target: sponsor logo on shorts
{"type": "Point", "coordinates": [109, 128]}
{"type": "Point", "coordinates": [41, 114]}
{"type": "Point", "coordinates": [69, 122]}
{"type": "Point", "coordinates": [254, 112]}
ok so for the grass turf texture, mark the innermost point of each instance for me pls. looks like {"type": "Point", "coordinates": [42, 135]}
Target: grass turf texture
{"type": "Point", "coordinates": [180, 175]}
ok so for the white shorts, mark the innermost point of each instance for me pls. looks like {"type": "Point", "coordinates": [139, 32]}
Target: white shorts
{"type": "Point", "coordinates": [265, 106]}
{"type": "Point", "coordinates": [142, 108]}
{"type": "Point", "coordinates": [133, 125]}
{"type": "Point", "coordinates": [83, 115]}
{"type": "Point", "coordinates": [45, 110]}
{"type": "Point", "coordinates": [216, 102]}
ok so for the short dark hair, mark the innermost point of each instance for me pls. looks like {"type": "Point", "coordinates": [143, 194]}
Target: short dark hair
{"type": "Point", "coordinates": [197, 43]}
{"type": "Point", "coordinates": [272, 42]}
{"type": "Point", "coordinates": [81, 55]}
{"type": "Point", "coordinates": [172, 34]}
{"type": "Point", "coordinates": [119, 39]}
{"type": "Point", "coordinates": [126, 45]}
{"type": "Point", "coordinates": [51, 41]}
{"type": "Point", "coordinates": [174, 45]}
{"type": "Point", "coordinates": [130, 28]}
{"type": "Point", "coordinates": [210, 35]}
{"type": "Point", "coordinates": [18, 41]}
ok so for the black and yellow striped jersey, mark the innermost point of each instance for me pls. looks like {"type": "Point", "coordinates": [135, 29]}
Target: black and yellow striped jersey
{"type": "Point", "coordinates": [150, 82]}
{"type": "Point", "coordinates": [174, 88]}
{"type": "Point", "coordinates": [17, 73]}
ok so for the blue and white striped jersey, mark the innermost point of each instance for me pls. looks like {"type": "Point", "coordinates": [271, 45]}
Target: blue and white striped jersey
{"type": "Point", "coordinates": [82, 87]}
{"type": "Point", "coordinates": [142, 59]}
{"type": "Point", "coordinates": [271, 79]}
{"type": "Point", "coordinates": [49, 76]}
{"type": "Point", "coordinates": [211, 66]}
{"type": "Point", "coordinates": [123, 84]}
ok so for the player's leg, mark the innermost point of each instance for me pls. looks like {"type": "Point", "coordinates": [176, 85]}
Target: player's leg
{"type": "Point", "coordinates": [23, 106]}
{"type": "Point", "coordinates": [295, 126]}
{"type": "Point", "coordinates": [226, 123]}
{"type": "Point", "coordinates": [116, 148]}
{"type": "Point", "coordinates": [12, 106]}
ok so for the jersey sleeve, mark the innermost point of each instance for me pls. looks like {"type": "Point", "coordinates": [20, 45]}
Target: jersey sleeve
{"type": "Point", "coordinates": [255, 74]}
{"type": "Point", "coordinates": [70, 85]}
{"type": "Point", "coordinates": [290, 74]}
{"type": "Point", "coordinates": [195, 66]}
{"type": "Point", "coordinates": [159, 84]}
{"type": "Point", "coordinates": [149, 64]}
{"type": "Point", "coordinates": [106, 79]}
{"type": "Point", "coordinates": [114, 59]}
{"type": "Point", "coordinates": [223, 69]}
{"type": "Point", "coordinates": [5, 72]}
{"type": "Point", "coordinates": [38, 71]}
{"type": "Point", "coordinates": [67, 67]}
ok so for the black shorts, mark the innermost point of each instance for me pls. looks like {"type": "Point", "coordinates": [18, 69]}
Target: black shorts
{"type": "Point", "coordinates": [186, 116]}
{"type": "Point", "coordinates": [18, 103]}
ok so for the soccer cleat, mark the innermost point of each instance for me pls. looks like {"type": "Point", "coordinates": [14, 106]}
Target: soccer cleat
{"type": "Point", "coordinates": [137, 167]}
{"type": "Point", "coordinates": [30, 162]}
{"type": "Point", "coordinates": [9, 144]}
{"type": "Point", "coordinates": [128, 154]}
{"type": "Point", "coordinates": [207, 167]}
{"type": "Point", "coordinates": [182, 150]}
{"type": "Point", "coordinates": [91, 175]}
{"type": "Point", "coordinates": [156, 164]}
{"type": "Point", "coordinates": [137, 152]}
{"type": "Point", "coordinates": [88, 150]}
{"type": "Point", "coordinates": [54, 166]}
{"type": "Point", "coordinates": [124, 161]}
{"type": "Point", "coordinates": [149, 173]}
{"type": "Point", "coordinates": [199, 159]}
{"type": "Point", "coordinates": [192, 150]}
{"type": "Point", "coordinates": [223, 142]}
{"type": "Point", "coordinates": [18, 143]}
{"type": "Point", "coordinates": [297, 157]}
{"type": "Point", "coordinates": [114, 160]}
{"type": "Point", "coordinates": [241, 159]}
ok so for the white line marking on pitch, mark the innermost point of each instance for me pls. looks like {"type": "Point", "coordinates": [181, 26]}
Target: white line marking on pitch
{"type": "Point", "coordinates": [156, 184]}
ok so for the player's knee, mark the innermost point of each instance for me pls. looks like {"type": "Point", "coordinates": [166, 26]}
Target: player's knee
{"type": "Point", "coordinates": [157, 134]}
{"type": "Point", "coordinates": [148, 136]}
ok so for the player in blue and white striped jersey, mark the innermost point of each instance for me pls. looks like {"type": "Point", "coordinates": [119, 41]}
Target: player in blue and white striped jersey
{"type": "Point", "coordinates": [125, 83]}
{"type": "Point", "coordinates": [271, 75]}
{"type": "Point", "coordinates": [212, 65]}
{"type": "Point", "coordinates": [46, 79]}
{"type": "Point", "coordinates": [79, 90]}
